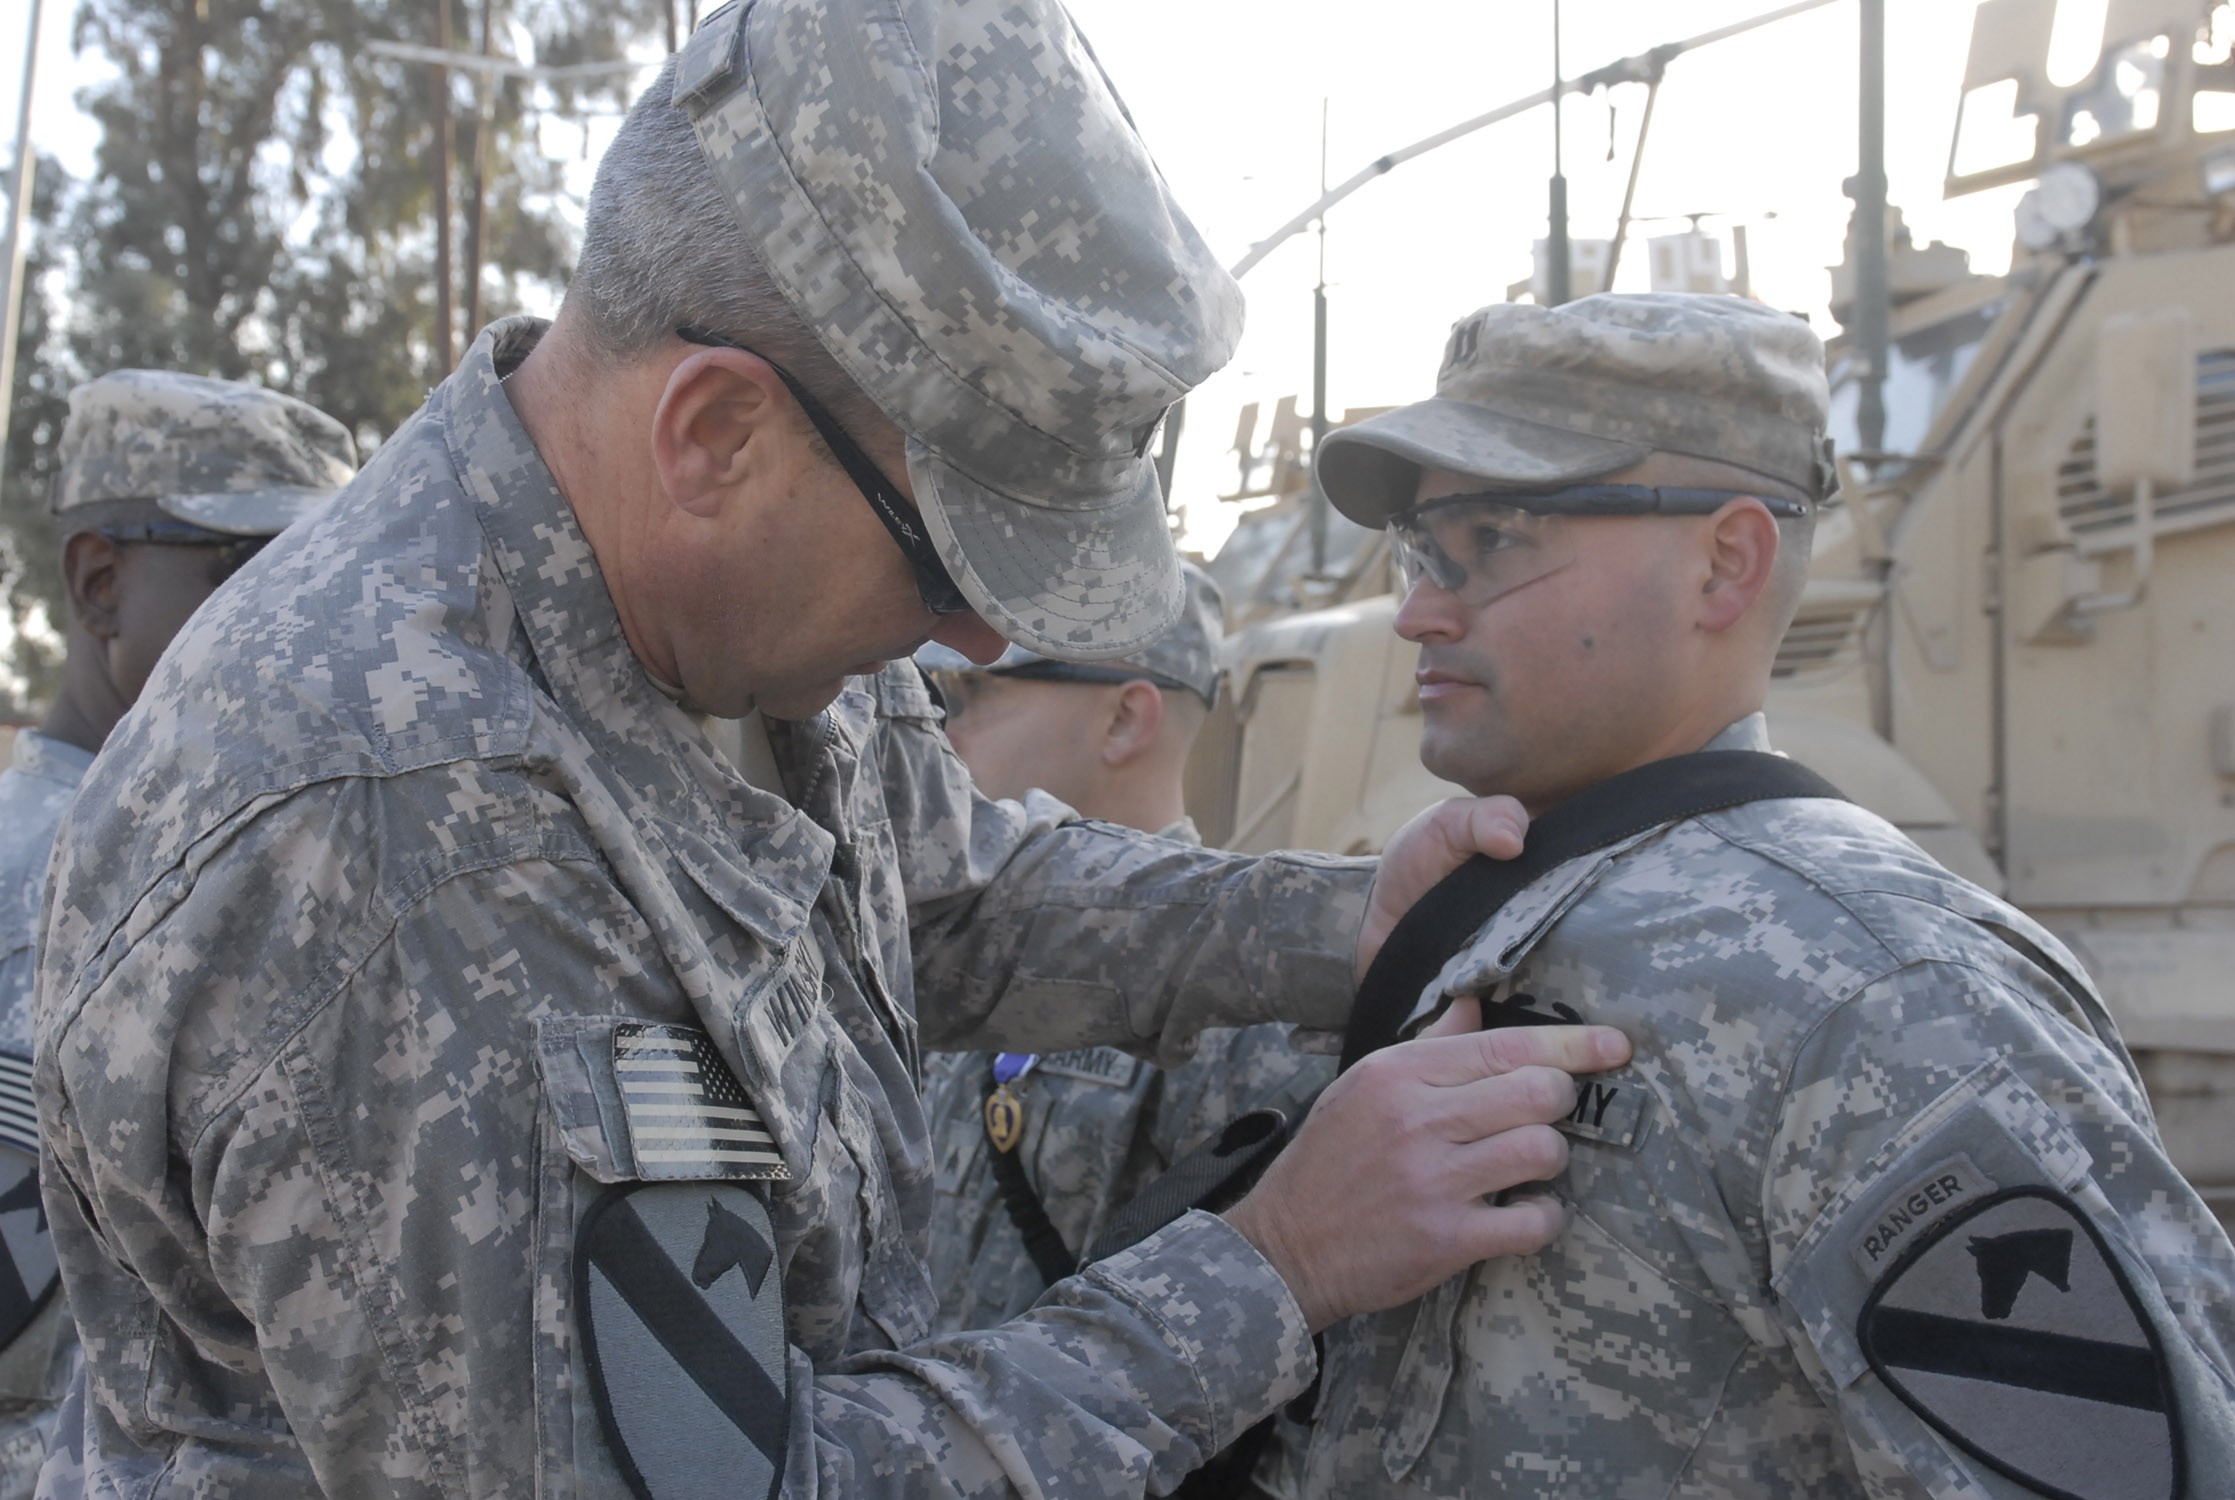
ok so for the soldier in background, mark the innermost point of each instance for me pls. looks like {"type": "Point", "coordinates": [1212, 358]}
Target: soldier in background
{"type": "Point", "coordinates": [1879, 1208]}
{"type": "Point", "coordinates": [1034, 1153]}
{"type": "Point", "coordinates": [456, 1079]}
{"type": "Point", "coordinates": [168, 483]}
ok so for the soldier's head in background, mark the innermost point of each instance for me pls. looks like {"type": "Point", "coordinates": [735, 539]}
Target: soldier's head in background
{"type": "Point", "coordinates": [862, 352]}
{"type": "Point", "coordinates": [1603, 520]}
{"type": "Point", "coordinates": [1109, 738]}
{"type": "Point", "coordinates": [167, 485]}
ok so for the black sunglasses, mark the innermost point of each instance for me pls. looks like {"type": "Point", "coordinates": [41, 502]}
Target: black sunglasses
{"type": "Point", "coordinates": [233, 551]}
{"type": "Point", "coordinates": [1619, 500]}
{"type": "Point", "coordinates": [937, 586]}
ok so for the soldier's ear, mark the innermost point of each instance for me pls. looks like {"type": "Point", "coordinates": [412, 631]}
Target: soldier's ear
{"type": "Point", "coordinates": [721, 416]}
{"type": "Point", "coordinates": [1741, 555]}
{"type": "Point", "coordinates": [92, 572]}
{"type": "Point", "coordinates": [1136, 717]}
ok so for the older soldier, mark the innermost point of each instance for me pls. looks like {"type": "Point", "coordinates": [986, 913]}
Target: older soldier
{"type": "Point", "coordinates": [168, 484]}
{"type": "Point", "coordinates": [1879, 1208]}
{"type": "Point", "coordinates": [462, 1081]}
{"type": "Point", "coordinates": [1034, 1153]}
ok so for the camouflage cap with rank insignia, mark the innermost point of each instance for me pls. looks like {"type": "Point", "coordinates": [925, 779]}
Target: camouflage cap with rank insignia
{"type": "Point", "coordinates": [1532, 398]}
{"type": "Point", "coordinates": [227, 457]}
{"type": "Point", "coordinates": [951, 195]}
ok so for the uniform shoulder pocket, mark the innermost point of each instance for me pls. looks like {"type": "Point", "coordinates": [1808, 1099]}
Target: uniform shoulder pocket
{"type": "Point", "coordinates": [1977, 1275]}
{"type": "Point", "coordinates": [638, 1100]}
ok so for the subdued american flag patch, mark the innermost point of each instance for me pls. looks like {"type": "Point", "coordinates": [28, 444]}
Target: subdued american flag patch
{"type": "Point", "coordinates": [19, 1114]}
{"type": "Point", "coordinates": [688, 1116]}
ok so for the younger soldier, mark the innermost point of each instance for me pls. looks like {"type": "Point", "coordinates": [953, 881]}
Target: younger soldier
{"type": "Point", "coordinates": [1879, 1208]}
{"type": "Point", "coordinates": [1035, 1152]}
{"type": "Point", "coordinates": [169, 483]}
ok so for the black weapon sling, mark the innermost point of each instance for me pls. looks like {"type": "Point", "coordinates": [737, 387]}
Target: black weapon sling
{"type": "Point", "coordinates": [1444, 921]}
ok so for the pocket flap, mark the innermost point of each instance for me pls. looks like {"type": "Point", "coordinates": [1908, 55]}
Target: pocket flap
{"type": "Point", "coordinates": [636, 1100]}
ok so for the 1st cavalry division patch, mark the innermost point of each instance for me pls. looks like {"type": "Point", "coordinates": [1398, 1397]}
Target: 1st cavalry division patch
{"type": "Point", "coordinates": [681, 1307]}
{"type": "Point", "coordinates": [2012, 1329]}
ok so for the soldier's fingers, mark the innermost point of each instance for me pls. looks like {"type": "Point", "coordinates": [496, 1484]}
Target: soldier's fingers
{"type": "Point", "coordinates": [1509, 1159]}
{"type": "Point", "coordinates": [1523, 1227]}
{"type": "Point", "coordinates": [1496, 826]}
{"type": "Point", "coordinates": [1456, 1060]}
{"type": "Point", "coordinates": [1481, 1109]}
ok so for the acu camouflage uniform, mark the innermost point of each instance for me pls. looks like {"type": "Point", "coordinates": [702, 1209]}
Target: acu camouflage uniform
{"type": "Point", "coordinates": [396, 844]}
{"type": "Point", "coordinates": [36, 1366]}
{"type": "Point", "coordinates": [230, 460]}
{"type": "Point", "coordinates": [1844, 1056]}
{"type": "Point", "coordinates": [1824, 1019]}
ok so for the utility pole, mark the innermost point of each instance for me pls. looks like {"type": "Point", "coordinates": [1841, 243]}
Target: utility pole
{"type": "Point", "coordinates": [446, 270]}
{"type": "Point", "coordinates": [1319, 367]}
{"type": "Point", "coordinates": [674, 42]}
{"type": "Point", "coordinates": [1557, 286]}
{"type": "Point", "coordinates": [485, 95]}
{"type": "Point", "coordinates": [1872, 312]}
{"type": "Point", "coordinates": [19, 234]}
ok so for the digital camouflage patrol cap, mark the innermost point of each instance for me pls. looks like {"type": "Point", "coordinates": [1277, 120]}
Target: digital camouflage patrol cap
{"type": "Point", "coordinates": [1533, 398]}
{"type": "Point", "coordinates": [1186, 656]}
{"type": "Point", "coordinates": [951, 196]}
{"type": "Point", "coordinates": [221, 455]}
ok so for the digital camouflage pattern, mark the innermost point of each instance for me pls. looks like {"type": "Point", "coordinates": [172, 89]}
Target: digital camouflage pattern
{"type": "Point", "coordinates": [1185, 656]}
{"type": "Point", "coordinates": [1090, 1146]}
{"type": "Point", "coordinates": [223, 455]}
{"type": "Point", "coordinates": [1824, 1020]}
{"type": "Point", "coordinates": [36, 1366]}
{"type": "Point", "coordinates": [35, 793]}
{"type": "Point", "coordinates": [951, 194]}
{"type": "Point", "coordinates": [397, 837]}
{"type": "Point", "coordinates": [1099, 1126]}
{"type": "Point", "coordinates": [1538, 397]}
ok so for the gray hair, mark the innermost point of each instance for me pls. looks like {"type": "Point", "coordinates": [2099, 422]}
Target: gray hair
{"type": "Point", "coordinates": [662, 249]}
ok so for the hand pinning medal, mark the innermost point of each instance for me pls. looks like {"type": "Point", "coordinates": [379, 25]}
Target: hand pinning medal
{"type": "Point", "coordinates": [1004, 1110]}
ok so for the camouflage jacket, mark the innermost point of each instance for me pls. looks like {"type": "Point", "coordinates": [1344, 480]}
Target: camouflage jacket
{"type": "Point", "coordinates": [375, 892]}
{"type": "Point", "coordinates": [38, 1350]}
{"type": "Point", "coordinates": [1850, 1065]}
{"type": "Point", "coordinates": [1099, 1124]}
{"type": "Point", "coordinates": [35, 793]}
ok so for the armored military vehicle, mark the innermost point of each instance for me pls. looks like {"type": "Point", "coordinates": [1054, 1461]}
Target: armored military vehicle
{"type": "Point", "coordinates": [2018, 641]}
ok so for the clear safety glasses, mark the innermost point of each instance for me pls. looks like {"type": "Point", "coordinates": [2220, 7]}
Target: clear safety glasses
{"type": "Point", "coordinates": [1481, 547]}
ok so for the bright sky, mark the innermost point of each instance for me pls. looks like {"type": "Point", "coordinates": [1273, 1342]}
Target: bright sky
{"type": "Point", "coordinates": [1229, 93]}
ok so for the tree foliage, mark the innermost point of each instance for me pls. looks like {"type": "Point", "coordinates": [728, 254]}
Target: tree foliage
{"type": "Point", "coordinates": [263, 206]}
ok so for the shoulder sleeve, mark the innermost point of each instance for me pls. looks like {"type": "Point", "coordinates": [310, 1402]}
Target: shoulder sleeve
{"type": "Point", "coordinates": [1984, 1259]}
{"type": "Point", "coordinates": [327, 1233]}
{"type": "Point", "coordinates": [1036, 930]}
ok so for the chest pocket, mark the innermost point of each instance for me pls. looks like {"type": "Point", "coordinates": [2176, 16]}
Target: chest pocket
{"type": "Point", "coordinates": [1604, 1354]}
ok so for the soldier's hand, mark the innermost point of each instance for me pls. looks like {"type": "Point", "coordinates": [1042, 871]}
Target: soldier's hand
{"type": "Point", "coordinates": [1385, 1191]}
{"type": "Point", "coordinates": [1435, 842]}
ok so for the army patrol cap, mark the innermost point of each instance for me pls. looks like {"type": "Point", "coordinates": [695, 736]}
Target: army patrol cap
{"type": "Point", "coordinates": [1533, 398]}
{"type": "Point", "coordinates": [950, 194]}
{"type": "Point", "coordinates": [1186, 657]}
{"type": "Point", "coordinates": [224, 456]}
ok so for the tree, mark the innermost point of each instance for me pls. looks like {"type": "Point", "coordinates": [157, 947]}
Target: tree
{"type": "Point", "coordinates": [30, 588]}
{"type": "Point", "coordinates": [261, 209]}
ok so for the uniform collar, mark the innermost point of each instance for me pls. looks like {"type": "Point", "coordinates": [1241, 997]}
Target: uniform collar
{"type": "Point", "coordinates": [1749, 733]}
{"type": "Point", "coordinates": [1498, 948]}
{"type": "Point", "coordinates": [674, 775]}
{"type": "Point", "coordinates": [46, 758]}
